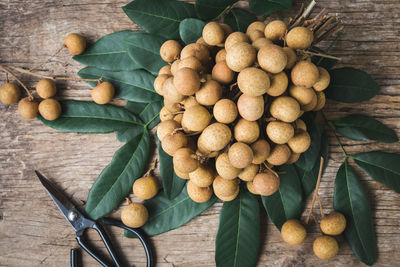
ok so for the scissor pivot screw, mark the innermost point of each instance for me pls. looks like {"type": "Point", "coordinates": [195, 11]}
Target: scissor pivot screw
{"type": "Point", "coordinates": [72, 215]}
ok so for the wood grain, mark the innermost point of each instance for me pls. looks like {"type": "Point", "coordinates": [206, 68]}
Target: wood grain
{"type": "Point", "coordinates": [33, 233]}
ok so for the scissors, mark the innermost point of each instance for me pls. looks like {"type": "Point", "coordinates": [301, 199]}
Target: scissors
{"type": "Point", "coordinates": [81, 223]}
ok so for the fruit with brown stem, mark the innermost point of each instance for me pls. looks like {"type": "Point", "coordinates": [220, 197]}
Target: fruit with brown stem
{"type": "Point", "coordinates": [75, 43]}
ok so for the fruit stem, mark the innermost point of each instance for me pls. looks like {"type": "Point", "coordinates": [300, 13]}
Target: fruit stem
{"type": "Point", "coordinates": [148, 173]}
{"type": "Point", "coordinates": [316, 189]}
{"type": "Point", "coordinates": [304, 14]}
{"type": "Point", "coordinates": [334, 133]}
{"type": "Point", "coordinates": [319, 54]}
{"type": "Point", "coordinates": [128, 200]}
{"type": "Point", "coordinates": [334, 30]}
{"type": "Point", "coordinates": [321, 210]}
{"type": "Point", "coordinates": [31, 98]}
{"type": "Point", "coordinates": [48, 60]}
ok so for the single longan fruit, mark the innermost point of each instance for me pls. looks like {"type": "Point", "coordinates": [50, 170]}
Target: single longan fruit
{"type": "Point", "coordinates": [300, 142]}
{"type": "Point", "coordinates": [199, 194]}
{"type": "Point", "coordinates": [50, 109]}
{"type": "Point", "coordinates": [225, 111]}
{"type": "Point", "coordinates": [246, 131]}
{"type": "Point", "coordinates": [165, 114]}
{"type": "Point", "coordinates": [159, 83]}
{"type": "Point", "coordinates": [203, 176]}
{"type": "Point", "coordinates": [240, 155]}
{"type": "Point", "coordinates": [172, 106]}
{"type": "Point", "coordinates": [9, 93]}
{"type": "Point", "coordinates": [293, 232]}
{"type": "Point", "coordinates": [184, 160]}
{"type": "Point", "coordinates": [46, 88]}
{"type": "Point", "coordinates": [300, 124]}
{"type": "Point", "coordinates": [134, 215]}
{"type": "Point", "coordinates": [220, 56]}
{"type": "Point", "coordinates": [170, 50]}
{"type": "Point", "coordinates": [285, 108]}
{"type": "Point", "coordinates": [166, 127]}
{"type": "Point", "coordinates": [272, 58]}
{"type": "Point", "coordinates": [172, 142]}
{"type": "Point", "coordinates": [261, 150]}
{"type": "Point", "coordinates": [202, 42]}
{"type": "Point", "coordinates": [209, 93]}
{"type": "Point", "coordinates": [279, 84]}
{"type": "Point", "coordinates": [248, 173]}
{"type": "Point", "coordinates": [178, 118]}
{"type": "Point", "coordinates": [235, 38]}
{"type": "Point", "coordinates": [293, 158]}
{"type": "Point", "coordinates": [299, 38]}
{"type": "Point", "coordinates": [255, 34]}
{"type": "Point", "coordinates": [240, 56]}
{"type": "Point", "coordinates": [325, 247]}
{"type": "Point", "coordinates": [250, 187]}
{"type": "Point", "coordinates": [279, 155]}
{"type": "Point", "coordinates": [196, 50]}
{"type": "Point", "coordinates": [291, 57]}
{"type": "Point", "coordinates": [103, 93]}
{"type": "Point", "coordinates": [253, 82]}
{"type": "Point", "coordinates": [303, 95]}
{"type": "Point", "coordinates": [186, 81]}
{"type": "Point", "coordinates": [304, 74]}
{"type": "Point", "coordinates": [280, 132]}
{"type": "Point", "coordinates": [213, 34]}
{"type": "Point", "coordinates": [196, 118]}
{"type": "Point", "coordinates": [222, 73]}
{"type": "Point", "coordinates": [75, 43]}
{"type": "Point", "coordinates": [170, 92]}
{"type": "Point", "coordinates": [189, 102]}
{"type": "Point", "coordinates": [28, 109]}
{"type": "Point", "coordinates": [165, 70]}
{"type": "Point", "coordinates": [310, 106]}
{"type": "Point", "coordinates": [216, 136]}
{"type": "Point", "coordinates": [266, 183]}
{"type": "Point", "coordinates": [175, 66]}
{"type": "Point", "coordinates": [191, 63]}
{"type": "Point", "coordinates": [256, 25]}
{"type": "Point", "coordinates": [323, 80]}
{"type": "Point", "coordinates": [250, 108]}
{"type": "Point", "coordinates": [275, 30]}
{"type": "Point", "coordinates": [260, 43]}
{"type": "Point", "coordinates": [333, 224]}
{"type": "Point", "coordinates": [321, 100]}
{"type": "Point", "coordinates": [227, 29]}
{"type": "Point", "coordinates": [182, 175]}
{"type": "Point", "coordinates": [146, 187]}
{"type": "Point", "coordinates": [225, 188]}
{"type": "Point", "coordinates": [228, 198]}
{"type": "Point", "coordinates": [224, 167]}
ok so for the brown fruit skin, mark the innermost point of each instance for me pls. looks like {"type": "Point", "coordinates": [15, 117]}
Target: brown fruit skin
{"type": "Point", "coordinates": [172, 106]}
{"type": "Point", "coordinates": [240, 56]}
{"type": "Point", "coordinates": [255, 34]}
{"type": "Point", "coordinates": [266, 183]}
{"type": "Point", "coordinates": [203, 176]}
{"type": "Point", "coordinates": [240, 155]}
{"type": "Point", "coordinates": [213, 34]}
{"type": "Point", "coordinates": [304, 74]}
{"type": "Point", "coordinates": [197, 50]}
{"type": "Point", "coordinates": [293, 232]}
{"type": "Point", "coordinates": [248, 173]}
{"type": "Point", "coordinates": [170, 92]}
{"type": "Point", "coordinates": [293, 158]}
{"type": "Point", "coordinates": [272, 58]}
{"type": "Point", "coordinates": [134, 215]}
{"type": "Point", "coordinates": [224, 167]}
{"type": "Point", "coordinates": [285, 108]}
{"type": "Point", "coordinates": [165, 70]}
{"type": "Point", "coordinates": [216, 136]}
{"type": "Point", "coordinates": [103, 93]}
{"type": "Point", "coordinates": [321, 100]}
{"type": "Point", "coordinates": [250, 108]}
{"type": "Point", "coordinates": [165, 114]}
{"type": "Point", "coordinates": [279, 84]}
{"type": "Point", "coordinates": [222, 73]}
{"type": "Point", "coordinates": [209, 93]}
{"type": "Point", "coordinates": [261, 150]}
{"type": "Point", "coordinates": [9, 93]}
{"type": "Point", "coordinates": [333, 224]}
{"type": "Point", "coordinates": [50, 109]}
{"type": "Point", "coordinates": [299, 38]}
{"type": "Point", "coordinates": [225, 188]}
{"type": "Point", "coordinates": [186, 81]}
{"type": "Point", "coordinates": [225, 111]}
{"type": "Point", "coordinates": [275, 30]}
{"type": "Point", "coordinates": [166, 127]}
{"type": "Point", "coordinates": [182, 175]}
{"type": "Point", "coordinates": [291, 57]}
{"type": "Point", "coordinates": [178, 118]}
{"type": "Point", "coordinates": [227, 29]}
{"type": "Point", "coordinates": [325, 247]}
{"type": "Point", "coordinates": [323, 80]}
{"type": "Point", "coordinates": [227, 198]}
{"type": "Point", "coordinates": [46, 88]}
{"type": "Point", "coordinates": [303, 95]}
{"type": "Point", "coordinates": [28, 109]}
{"type": "Point", "coordinates": [260, 43]}
{"type": "Point", "coordinates": [145, 187]}
{"type": "Point", "coordinates": [246, 131]}
{"type": "Point", "coordinates": [184, 160]}
{"type": "Point", "coordinates": [75, 43]}
{"type": "Point", "coordinates": [196, 119]}
{"type": "Point", "coordinates": [279, 132]}
{"type": "Point", "coordinates": [175, 66]}
{"type": "Point", "coordinates": [199, 194]}
{"type": "Point", "coordinates": [159, 83]}
{"type": "Point", "coordinates": [172, 142]}
{"type": "Point", "coordinates": [300, 142]}
{"type": "Point", "coordinates": [220, 56]}
{"type": "Point", "coordinates": [170, 50]}
{"type": "Point", "coordinates": [311, 105]}
{"type": "Point", "coordinates": [191, 63]}
{"type": "Point", "coordinates": [253, 82]}
{"type": "Point", "coordinates": [235, 38]}
{"type": "Point", "coordinates": [250, 187]}
{"type": "Point", "coordinates": [279, 155]}
{"type": "Point", "coordinates": [256, 25]}
{"type": "Point", "coordinates": [300, 124]}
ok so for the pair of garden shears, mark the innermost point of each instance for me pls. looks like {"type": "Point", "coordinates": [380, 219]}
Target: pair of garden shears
{"type": "Point", "coordinates": [81, 223]}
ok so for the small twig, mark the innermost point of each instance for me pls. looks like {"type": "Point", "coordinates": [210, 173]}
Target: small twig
{"type": "Point", "coordinates": [48, 60]}
{"type": "Point", "coordinates": [270, 119]}
{"type": "Point", "coordinates": [321, 210]}
{"type": "Point", "coordinates": [318, 29]}
{"type": "Point", "coordinates": [31, 98]}
{"type": "Point", "coordinates": [177, 130]}
{"type": "Point", "coordinates": [128, 200]}
{"type": "Point", "coordinates": [316, 189]}
{"type": "Point", "coordinates": [301, 10]}
{"type": "Point", "coordinates": [232, 85]}
{"type": "Point", "coordinates": [271, 170]}
{"type": "Point", "coordinates": [176, 113]}
{"type": "Point", "coordinates": [329, 33]}
{"type": "Point", "coordinates": [237, 95]}
{"type": "Point", "coordinates": [7, 80]}
{"type": "Point", "coordinates": [315, 219]}
{"type": "Point", "coordinates": [304, 14]}
{"type": "Point", "coordinates": [148, 173]}
{"type": "Point", "coordinates": [319, 54]}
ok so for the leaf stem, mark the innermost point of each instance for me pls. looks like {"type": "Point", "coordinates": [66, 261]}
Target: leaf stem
{"type": "Point", "coordinates": [334, 133]}
{"type": "Point", "coordinates": [223, 12]}
{"type": "Point", "coordinates": [48, 60]}
{"type": "Point", "coordinates": [7, 71]}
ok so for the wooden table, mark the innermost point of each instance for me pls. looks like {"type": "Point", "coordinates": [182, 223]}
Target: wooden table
{"type": "Point", "coordinates": [32, 231]}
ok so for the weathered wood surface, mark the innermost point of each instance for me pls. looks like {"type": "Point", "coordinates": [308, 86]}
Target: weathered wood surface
{"type": "Point", "coordinates": [32, 231]}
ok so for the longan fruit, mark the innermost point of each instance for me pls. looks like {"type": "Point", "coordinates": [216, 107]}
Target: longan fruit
{"type": "Point", "coordinates": [46, 88]}
{"type": "Point", "coordinates": [300, 124]}
{"type": "Point", "coordinates": [170, 50]}
{"type": "Point", "coordinates": [159, 83]}
{"type": "Point", "coordinates": [248, 173]}
{"type": "Point", "coordinates": [220, 56]}
{"type": "Point", "coordinates": [178, 118]}
{"type": "Point", "coordinates": [228, 198]}
{"type": "Point", "coordinates": [261, 150]}
{"type": "Point", "coordinates": [134, 215]}
{"type": "Point", "coordinates": [299, 38]}
{"type": "Point", "coordinates": [202, 42]}
{"type": "Point", "coordinates": [293, 158]}
{"type": "Point", "coordinates": [75, 43]}
{"type": "Point", "coordinates": [196, 118]}
{"type": "Point", "coordinates": [246, 131]}
{"type": "Point", "coordinates": [216, 136]}
{"type": "Point", "coordinates": [310, 106]}
{"type": "Point", "coordinates": [291, 57]}
{"type": "Point", "coordinates": [186, 81]}
{"type": "Point", "coordinates": [275, 30]}
{"type": "Point", "coordinates": [165, 114]}
{"type": "Point", "coordinates": [146, 187]}
{"type": "Point", "coordinates": [222, 73]}
{"type": "Point", "coordinates": [260, 43]}
{"type": "Point", "coordinates": [197, 50]}
{"type": "Point", "coordinates": [50, 109]}
{"type": "Point", "coordinates": [210, 92]}
{"type": "Point", "coordinates": [272, 58]}
{"type": "Point", "coordinates": [321, 100]}
{"type": "Point", "coordinates": [170, 92]}
{"type": "Point", "coordinates": [240, 56]}
{"type": "Point", "coordinates": [172, 142]}
{"type": "Point", "coordinates": [182, 175]}
{"type": "Point", "coordinates": [256, 25]}
{"type": "Point", "coordinates": [255, 34]}
{"type": "Point", "coordinates": [250, 187]}
{"type": "Point", "coordinates": [198, 194]}
{"type": "Point", "coordinates": [285, 108]}
{"type": "Point", "coordinates": [172, 106]}
{"type": "Point", "coordinates": [300, 142]}
{"type": "Point", "coordinates": [225, 111]}
{"type": "Point", "coordinates": [225, 188]}
{"type": "Point", "coordinates": [191, 63]}
{"type": "Point", "coordinates": [175, 66]}
{"type": "Point", "coordinates": [240, 155]}
{"type": "Point", "coordinates": [165, 70]}
{"type": "Point", "coordinates": [303, 95]}
{"type": "Point", "coordinates": [293, 232]}
{"type": "Point", "coordinates": [325, 247]}
{"type": "Point", "coordinates": [213, 34]}
{"type": "Point", "coordinates": [323, 80]}
{"type": "Point", "coordinates": [103, 93]}
{"type": "Point", "coordinates": [9, 93]}
{"type": "Point", "coordinates": [279, 84]}
{"type": "Point", "coordinates": [203, 176]}
{"type": "Point", "coordinates": [253, 82]}
{"type": "Point", "coordinates": [279, 132]}
{"type": "Point", "coordinates": [266, 183]}
{"type": "Point", "coordinates": [279, 155]}
{"type": "Point", "coordinates": [304, 74]}
{"type": "Point", "coordinates": [190, 102]}
{"type": "Point", "coordinates": [227, 29]}
{"type": "Point", "coordinates": [166, 127]}
{"type": "Point", "coordinates": [184, 160]}
{"type": "Point", "coordinates": [333, 223]}
{"type": "Point", "coordinates": [235, 38]}
{"type": "Point", "coordinates": [28, 109]}
{"type": "Point", "coordinates": [224, 167]}
{"type": "Point", "coordinates": [250, 108]}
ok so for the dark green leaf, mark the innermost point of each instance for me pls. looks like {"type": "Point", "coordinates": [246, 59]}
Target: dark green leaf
{"type": "Point", "coordinates": [238, 238]}
{"type": "Point", "coordinates": [109, 53]}
{"type": "Point", "coordinates": [286, 203]}
{"type": "Point", "coordinates": [148, 113]}
{"type": "Point", "coordinates": [351, 85]}
{"type": "Point", "coordinates": [351, 200]}
{"type": "Point", "coordinates": [239, 19]}
{"type": "Point", "coordinates": [116, 180]}
{"type": "Point", "coordinates": [134, 85]}
{"type": "Point", "coordinates": [266, 7]}
{"type": "Point", "coordinates": [126, 135]}
{"type": "Point", "coordinates": [362, 127]}
{"type": "Point", "coordinates": [160, 17]}
{"type": "Point", "coordinates": [327, 63]}
{"type": "Point", "coordinates": [212, 9]}
{"type": "Point", "coordinates": [190, 30]}
{"type": "Point", "coordinates": [89, 117]}
{"type": "Point", "coordinates": [384, 167]}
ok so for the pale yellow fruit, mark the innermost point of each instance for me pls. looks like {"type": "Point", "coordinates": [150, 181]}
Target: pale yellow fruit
{"type": "Point", "coordinates": [280, 132]}
{"type": "Point", "coordinates": [191, 63]}
{"type": "Point", "coordinates": [182, 175]}
{"type": "Point", "coordinates": [50, 109]}
{"type": "Point", "coordinates": [321, 100]}
{"type": "Point", "coordinates": [196, 118]}
{"type": "Point", "coordinates": [224, 187]}
{"type": "Point", "coordinates": [185, 160]}
{"type": "Point", "coordinates": [216, 136]}
{"type": "Point", "coordinates": [165, 114]}
{"type": "Point", "coordinates": [246, 131]}
{"type": "Point", "coordinates": [256, 25]}
{"type": "Point", "coordinates": [300, 142]}
{"type": "Point", "coordinates": [304, 74]}
{"type": "Point", "coordinates": [250, 108]}
{"type": "Point", "coordinates": [250, 187]}
{"type": "Point", "coordinates": [202, 42]}
{"type": "Point", "coordinates": [172, 142]}
{"type": "Point", "coordinates": [170, 50]}
{"type": "Point", "coordinates": [333, 223]}
{"type": "Point", "coordinates": [325, 247]}
{"type": "Point", "coordinates": [235, 38]}
{"type": "Point", "coordinates": [159, 83]}
{"type": "Point", "coordinates": [75, 43]}
{"type": "Point", "coordinates": [175, 66]}
{"type": "Point", "coordinates": [146, 187]}
{"type": "Point", "coordinates": [293, 158]}
{"type": "Point", "coordinates": [28, 109]}
{"type": "Point", "coordinates": [222, 73]}
{"type": "Point", "coordinates": [240, 155]}
{"type": "Point", "coordinates": [225, 111]}
{"type": "Point", "coordinates": [203, 176]}
{"type": "Point", "coordinates": [293, 232]}
{"type": "Point", "coordinates": [300, 124]}
{"type": "Point", "coordinates": [253, 81]}
{"type": "Point", "coordinates": [165, 70]}
{"type": "Point", "coordinates": [172, 106]}
{"type": "Point", "coordinates": [303, 95]}
{"type": "Point", "coordinates": [166, 127]}
{"type": "Point", "coordinates": [178, 118]}
{"type": "Point", "coordinates": [260, 43]}
{"type": "Point", "coordinates": [323, 80]}
{"type": "Point", "coordinates": [248, 173]}
{"type": "Point", "coordinates": [272, 58]}
{"type": "Point", "coordinates": [266, 183]}
{"type": "Point", "coordinates": [255, 34]}
{"type": "Point", "coordinates": [285, 108]}
{"type": "Point", "coordinates": [224, 167]}
{"type": "Point", "coordinates": [210, 92]}
{"type": "Point", "coordinates": [275, 30]}
{"type": "Point", "coordinates": [199, 194]}
{"type": "Point", "coordinates": [46, 88]}
{"type": "Point", "coordinates": [213, 34]}
{"type": "Point", "coordinates": [103, 93]}
{"type": "Point", "coordinates": [291, 57]}
{"type": "Point", "coordinates": [170, 92]}
{"type": "Point", "coordinates": [279, 84]}
{"type": "Point", "coordinates": [186, 81]}
{"type": "Point", "coordinates": [189, 101]}
{"type": "Point", "coordinates": [240, 56]}
{"type": "Point", "coordinates": [261, 150]}
{"type": "Point", "coordinates": [279, 155]}
{"type": "Point", "coordinates": [311, 105]}
{"type": "Point", "coordinates": [220, 56]}
{"type": "Point", "coordinates": [9, 93]}
{"type": "Point", "coordinates": [299, 38]}
{"type": "Point", "coordinates": [134, 215]}
{"type": "Point", "coordinates": [197, 50]}
{"type": "Point", "coordinates": [227, 198]}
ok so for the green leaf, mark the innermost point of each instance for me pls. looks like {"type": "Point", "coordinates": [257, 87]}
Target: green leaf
{"type": "Point", "coordinates": [144, 48]}
{"type": "Point", "coordinates": [238, 238]}
{"type": "Point", "coordinates": [116, 180]}
{"type": "Point", "coordinates": [109, 53]}
{"type": "Point", "coordinates": [286, 203]}
{"type": "Point", "coordinates": [89, 117]}
{"type": "Point", "coordinates": [148, 113]}
{"type": "Point", "coordinates": [239, 19]}
{"type": "Point", "coordinates": [161, 17]}
{"type": "Point", "coordinates": [352, 201]}
{"type": "Point", "coordinates": [326, 63]}
{"type": "Point", "coordinates": [166, 214]}
{"type": "Point", "coordinates": [266, 7]}
{"type": "Point", "coordinates": [133, 85]}
{"type": "Point", "coordinates": [212, 9]}
{"type": "Point", "coordinates": [351, 85]}
{"type": "Point", "coordinates": [190, 30]}
{"type": "Point", "coordinates": [384, 167]}
{"type": "Point", "coordinates": [362, 127]}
